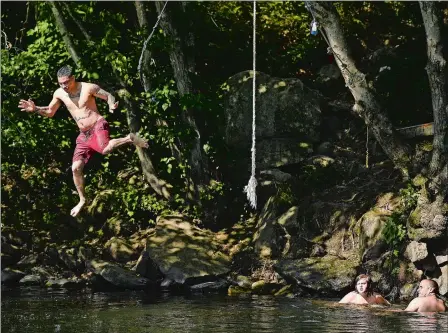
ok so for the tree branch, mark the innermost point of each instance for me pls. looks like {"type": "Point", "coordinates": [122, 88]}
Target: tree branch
{"type": "Point", "coordinates": [184, 87]}
{"type": "Point", "coordinates": [80, 26]}
{"type": "Point", "coordinates": [64, 32]}
{"type": "Point", "coordinates": [366, 102]}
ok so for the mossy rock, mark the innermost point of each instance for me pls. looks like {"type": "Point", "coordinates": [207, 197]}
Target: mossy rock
{"type": "Point", "coordinates": [327, 275]}
{"type": "Point", "coordinates": [419, 180]}
{"type": "Point", "coordinates": [236, 290]}
{"type": "Point", "coordinates": [286, 290]}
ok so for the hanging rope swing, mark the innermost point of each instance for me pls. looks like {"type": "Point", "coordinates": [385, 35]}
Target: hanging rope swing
{"type": "Point", "coordinates": [251, 187]}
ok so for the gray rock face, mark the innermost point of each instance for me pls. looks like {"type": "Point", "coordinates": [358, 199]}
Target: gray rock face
{"type": "Point", "coordinates": [31, 280]}
{"type": "Point", "coordinates": [442, 280]}
{"type": "Point", "coordinates": [326, 275]}
{"type": "Point", "coordinates": [287, 114]}
{"type": "Point", "coordinates": [429, 221]}
{"type": "Point", "coordinates": [29, 261]}
{"type": "Point", "coordinates": [211, 286]}
{"type": "Point", "coordinates": [184, 253]}
{"type": "Point", "coordinates": [120, 250]}
{"type": "Point", "coordinates": [11, 276]}
{"type": "Point", "coordinates": [147, 268]}
{"type": "Point", "coordinates": [329, 72]}
{"type": "Point", "coordinates": [118, 276]}
{"type": "Point", "coordinates": [416, 251]}
{"type": "Point", "coordinates": [64, 283]}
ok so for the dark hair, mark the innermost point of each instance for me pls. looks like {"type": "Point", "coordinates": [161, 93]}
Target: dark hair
{"type": "Point", "coordinates": [65, 71]}
{"type": "Point", "coordinates": [369, 289]}
{"type": "Point", "coordinates": [434, 285]}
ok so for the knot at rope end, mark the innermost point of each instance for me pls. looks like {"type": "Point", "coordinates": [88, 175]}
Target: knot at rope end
{"type": "Point", "coordinates": [250, 189]}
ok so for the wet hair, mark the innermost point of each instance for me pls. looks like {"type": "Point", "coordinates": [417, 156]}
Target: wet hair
{"type": "Point", "coordinates": [434, 285]}
{"type": "Point", "coordinates": [65, 71]}
{"type": "Point", "coordinates": [369, 289]}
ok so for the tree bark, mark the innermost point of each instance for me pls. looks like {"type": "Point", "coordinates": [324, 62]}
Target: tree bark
{"type": "Point", "coordinates": [80, 26]}
{"type": "Point", "coordinates": [160, 186]}
{"type": "Point", "coordinates": [146, 59]}
{"type": "Point", "coordinates": [64, 32]}
{"type": "Point", "coordinates": [366, 102]}
{"type": "Point", "coordinates": [184, 87]}
{"type": "Point", "coordinates": [437, 75]}
{"type": "Point", "coordinates": [188, 38]}
{"type": "Point", "coordinates": [144, 69]}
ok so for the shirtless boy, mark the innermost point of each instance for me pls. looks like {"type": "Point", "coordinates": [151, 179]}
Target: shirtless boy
{"type": "Point", "coordinates": [79, 98]}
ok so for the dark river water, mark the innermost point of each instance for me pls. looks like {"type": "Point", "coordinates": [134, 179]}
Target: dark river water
{"type": "Point", "coordinates": [36, 310]}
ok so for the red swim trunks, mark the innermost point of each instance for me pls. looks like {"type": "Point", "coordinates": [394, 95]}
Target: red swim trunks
{"type": "Point", "coordinates": [92, 140]}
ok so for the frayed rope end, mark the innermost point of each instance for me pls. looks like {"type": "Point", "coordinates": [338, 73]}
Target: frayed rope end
{"type": "Point", "coordinates": [250, 189]}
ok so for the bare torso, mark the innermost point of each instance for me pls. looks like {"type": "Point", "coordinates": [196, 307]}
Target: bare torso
{"type": "Point", "coordinates": [429, 304]}
{"type": "Point", "coordinates": [83, 108]}
{"type": "Point", "coordinates": [355, 298]}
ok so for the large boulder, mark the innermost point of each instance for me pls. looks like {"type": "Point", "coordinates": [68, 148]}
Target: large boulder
{"type": "Point", "coordinates": [185, 254]}
{"type": "Point", "coordinates": [266, 237]}
{"type": "Point", "coordinates": [120, 250]}
{"type": "Point", "coordinates": [11, 276]}
{"type": "Point", "coordinates": [118, 276]}
{"type": "Point", "coordinates": [287, 114]}
{"type": "Point", "coordinates": [429, 221]}
{"type": "Point", "coordinates": [328, 275]}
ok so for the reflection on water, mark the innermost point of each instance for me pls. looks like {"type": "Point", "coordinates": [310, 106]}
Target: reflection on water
{"type": "Point", "coordinates": [52, 311]}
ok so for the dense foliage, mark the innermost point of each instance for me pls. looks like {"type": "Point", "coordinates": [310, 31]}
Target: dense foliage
{"type": "Point", "coordinates": [37, 188]}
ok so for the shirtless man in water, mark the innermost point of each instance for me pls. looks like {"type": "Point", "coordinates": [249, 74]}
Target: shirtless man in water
{"type": "Point", "coordinates": [363, 293]}
{"type": "Point", "coordinates": [79, 98]}
{"type": "Point", "coordinates": [427, 300]}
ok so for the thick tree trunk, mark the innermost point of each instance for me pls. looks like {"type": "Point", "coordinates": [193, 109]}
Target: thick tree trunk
{"type": "Point", "coordinates": [64, 32]}
{"type": "Point", "coordinates": [188, 38]}
{"type": "Point", "coordinates": [184, 87]}
{"type": "Point", "coordinates": [145, 69]}
{"type": "Point", "coordinates": [158, 185]}
{"type": "Point", "coordinates": [366, 103]}
{"type": "Point", "coordinates": [430, 217]}
{"type": "Point", "coordinates": [437, 75]}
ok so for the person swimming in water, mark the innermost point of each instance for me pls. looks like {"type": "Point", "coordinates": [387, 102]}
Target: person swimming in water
{"type": "Point", "coordinates": [427, 300]}
{"type": "Point", "coordinates": [363, 293]}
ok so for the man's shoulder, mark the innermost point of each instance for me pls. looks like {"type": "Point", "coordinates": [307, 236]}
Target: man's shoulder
{"type": "Point", "coordinates": [88, 84]}
{"type": "Point", "coordinates": [353, 294]}
{"type": "Point", "coordinates": [58, 93]}
{"type": "Point", "coordinates": [91, 87]}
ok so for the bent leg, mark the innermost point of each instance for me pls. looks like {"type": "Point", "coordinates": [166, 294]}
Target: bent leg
{"type": "Point", "coordinates": [115, 143]}
{"type": "Point", "coordinates": [130, 138]}
{"type": "Point", "coordinates": [78, 179]}
{"type": "Point", "coordinates": [104, 145]}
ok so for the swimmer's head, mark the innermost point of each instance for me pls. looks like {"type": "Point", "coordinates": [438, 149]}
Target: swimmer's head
{"type": "Point", "coordinates": [363, 284]}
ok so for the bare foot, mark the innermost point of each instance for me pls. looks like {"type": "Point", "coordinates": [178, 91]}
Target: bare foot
{"type": "Point", "coordinates": [77, 208]}
{"type": "Point", "coordinates": [138, 141]}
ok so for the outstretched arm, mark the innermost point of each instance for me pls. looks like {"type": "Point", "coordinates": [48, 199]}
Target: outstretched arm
{"type": "Point", "coordinates": [46, 111]}
{"type": "Point", "coordinates": [97, 91]}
